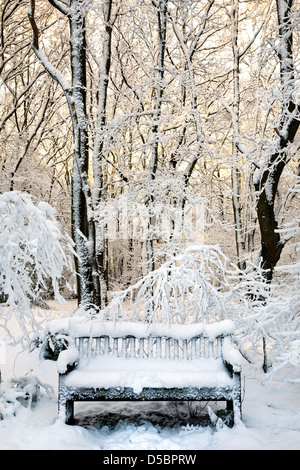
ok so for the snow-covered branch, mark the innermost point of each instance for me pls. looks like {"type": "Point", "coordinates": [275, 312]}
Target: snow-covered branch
{"type": "Point", "coordinates": [194, 286]}
{"type": "Point", "coordinates": [32, 256]}
{"type": "Point", "coordinates": [51, 69]}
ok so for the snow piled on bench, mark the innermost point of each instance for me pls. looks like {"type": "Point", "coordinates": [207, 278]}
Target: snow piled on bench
{"type": "Point", "coordinates": [110, 371]}
{"type": "Point", "coordinates": [82, 327]}
{"type": "Point", "coordinates": [67, 357]}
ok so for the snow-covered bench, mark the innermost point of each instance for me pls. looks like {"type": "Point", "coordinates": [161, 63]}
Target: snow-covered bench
{"type": "Point", "coordinates": [133, 361]}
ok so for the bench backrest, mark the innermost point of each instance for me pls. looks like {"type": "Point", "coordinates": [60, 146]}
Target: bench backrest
{"type": "Point", "coordinates": [150, 347]}
{"type": "Point", "coordinates": [157, 342]}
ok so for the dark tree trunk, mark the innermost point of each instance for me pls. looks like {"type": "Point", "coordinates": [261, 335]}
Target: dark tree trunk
{"type": "Point", "coordinates": [271, 242]}
{"type": "Point", "coordinates": [82, 221]}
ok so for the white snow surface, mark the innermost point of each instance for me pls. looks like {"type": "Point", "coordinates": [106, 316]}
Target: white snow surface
{"type": "Point", "coordinates": [82, 327]}
{"type": "Point", "coordinates": [271, 416]}
{"type": "Point", "coordinates": [108, 371]}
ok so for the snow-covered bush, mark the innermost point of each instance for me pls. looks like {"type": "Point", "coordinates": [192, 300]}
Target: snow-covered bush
{"type": "Point", "coordinates": [284, 313]}
{"type": "Point", "coordinates": [275, 321]}
{"type": "Point", "coordinates": [271, 328]}
{"type": "Point", "coordinates": [53, 338]}
{"type": "Point", "coordinates": [193, 287]}
{"type": "Point", "coordinates": [25, 390]}
{"type": "Point", "coordinates": [50, 344]}
{"type": "Point", "coordinates": [32, 254]}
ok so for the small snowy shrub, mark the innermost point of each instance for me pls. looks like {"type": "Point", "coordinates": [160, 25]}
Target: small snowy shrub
{"type": "Point", "coordinates": [50, 344]}
{"type": "Point", "coordinates": [25, 390]}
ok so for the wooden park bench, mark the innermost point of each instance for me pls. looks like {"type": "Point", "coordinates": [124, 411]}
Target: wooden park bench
{"type": "Point", "coordinates": [152, 362]}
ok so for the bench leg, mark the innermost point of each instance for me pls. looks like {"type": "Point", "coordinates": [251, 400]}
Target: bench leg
{"type": "Point", "coordinates": [66, 411]}
{"type": "Point", "coordinates": [69, 411]}
{"type": "Point", "coordinates": [234, 410]}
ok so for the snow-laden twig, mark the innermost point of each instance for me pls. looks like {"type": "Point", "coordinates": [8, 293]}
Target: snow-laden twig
{"type": "Point", "coordinates": [192, 287]}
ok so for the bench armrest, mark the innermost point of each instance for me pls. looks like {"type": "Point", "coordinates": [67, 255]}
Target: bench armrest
{"type": "Point", "coordinates": [67, 360]}
{"type": "Point", "coordinates": [231, 356]}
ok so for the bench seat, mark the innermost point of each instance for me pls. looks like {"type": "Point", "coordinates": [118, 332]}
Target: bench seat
{"type": "Point", "coordinates": [107, 372]}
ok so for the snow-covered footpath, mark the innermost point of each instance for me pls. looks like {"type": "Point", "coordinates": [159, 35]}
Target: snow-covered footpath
{"type": "Point", "coordinates": [271, 419]}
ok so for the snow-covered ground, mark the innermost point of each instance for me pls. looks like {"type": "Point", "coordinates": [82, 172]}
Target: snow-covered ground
{"type": "Point", "coordinates": [271, 418]}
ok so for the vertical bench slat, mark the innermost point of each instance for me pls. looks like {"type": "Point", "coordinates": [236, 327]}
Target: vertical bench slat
{"type": "Point", "coordinates": [167, 348]}
{"type": "Point", "coordinates": [106, 345]}
{"type": "Point", "coordinates": [115, 347]}
{"type": "Point", "coordinates": [86, 347]}
{"type": "Point", "coordinates": [81, 353]}
{"type": "Point", "coordinates": [97, 349]}
{"type": "Point", "coordinates": [219, 347]}
{"type": "Point", "coordinates": [158, 347]}
{"type": "Point", "coordinates": [184, 349]}
{"type": "Point", "coordinates": [202, 347]}
{"type": "Point", "coordinates": [210, 349]}
{"type": "Point", "coordinates": [176, 349]}
{"type": "Point", "coordinates": [124, 347]}
{"type": "Point", "coordinates": [150, 347]}
{"type": "Point", "coordinates": [193, 349]}
{"type": "Point", "coordinates": [132, 346]}
{"type": "Point", "coordinates": [141, 348]}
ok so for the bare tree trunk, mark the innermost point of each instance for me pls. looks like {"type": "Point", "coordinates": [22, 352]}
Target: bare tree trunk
{"type": "Point", "coordinates": [82, 220]}
{"type": "Point", "coordinates": [104, 68]}
{"type": "Point", "coordinates": [236, 178]}
{"type": "Point", "coordinates": [161, 6]}
{"type": "Point", "coordinates": [82, 215]}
